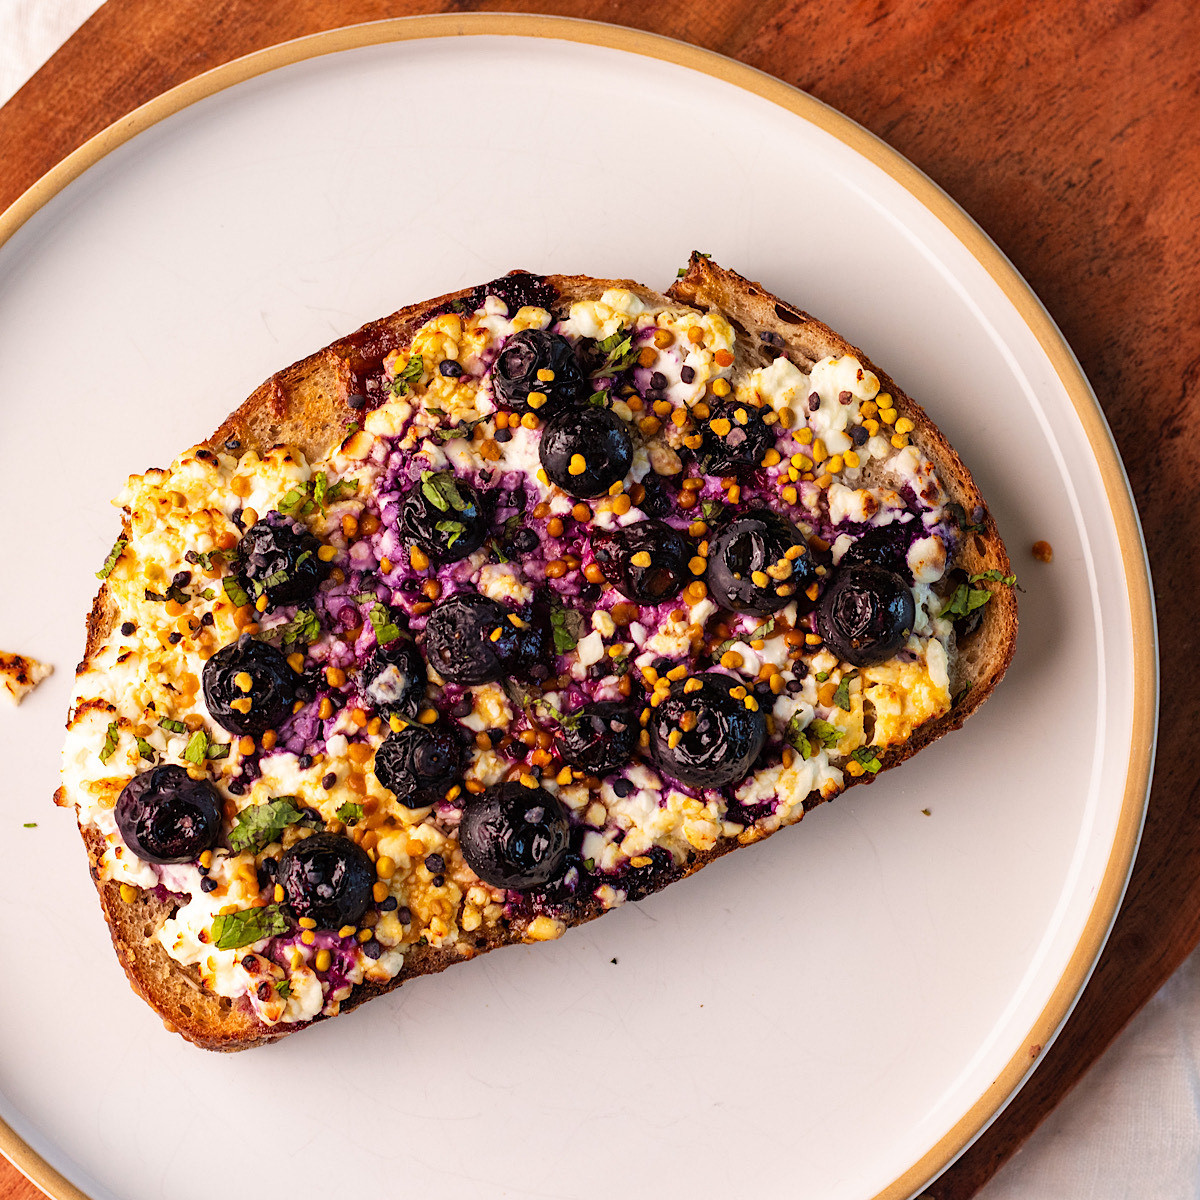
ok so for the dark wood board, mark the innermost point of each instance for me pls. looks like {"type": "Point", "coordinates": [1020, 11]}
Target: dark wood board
{"type": "Point", "coordinates": [1066, 130]}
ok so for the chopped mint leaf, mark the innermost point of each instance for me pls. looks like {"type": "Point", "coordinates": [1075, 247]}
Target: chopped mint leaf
{"type": "Point", "coordinates": [209, 594]}
{"type": "Point", "coordinates": [867, 757]}
{"type": "Point", "coordinates": [764, 631]}
{"type": "Point", "coordinates": [455, 529]}
{"type": "Point", "coordinates": [566, 624]}
{"type": "Point", "coordinates": [711, 509]}
{"type": "Point", "coordinates": [959, 514]}
{"type": "Point", "coordinates": [111, 561]}
{"type": "Point", "coordinates": [589, 864]}
{"type": "Point", "coordinates": [841, 698]}
{"type": "Point", "coordinates": [284, 989]}
{"type": "Point", "coordinates": [795, 737]}
{"type": "Point", "coordinates": [995, 576]}
{"type": "Point", "coordinates": [381, 622]}
{"type": "Point", "coordinates": [620, 665]}
{"type": "Point", "coordinates": [304, 627]}
{"type": "Point", "coordinates": [145, 750]}
{"type": "Point", "coordinates": [197, 748]}
{"type": "Point", "coordinates": [828, 735]}
{"type": "Point", "coordinates": [960, 695]}
{"type": "Point", "coordinates": [598, 399]}
{"type": "Point", "coordinates": [234, 590]}
{"type": "Point", "coordinates": [681, 273]}
{"type": "Point", "coordinates": [111, 737]}
{"type": "Point", "coordinates": [31, 825]}
{"type": "Point", "coordinates": [217, 750]}
{"type": "Point", "coordinates": [441, 490]}
{"type": "Point", "coordinates": [232, 931]}
{"type": "Point", "coordinates": [412, 371]}
{"type": "Point", "coordinates": [341, 490]}
{"type": "Point", "coordinates": [821, 676]}
{"type": "Point", "coordinates": [350, 813]}
{"type": "Point", "coordinates": [261, 824]}
{"type": "Point", "coordinates": [966, 599]}
{"type": "Point", "coordinates": [172, 726]}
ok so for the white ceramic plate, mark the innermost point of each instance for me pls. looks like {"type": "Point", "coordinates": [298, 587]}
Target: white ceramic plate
{"type": "Point", "coordinates": [833, 1014]}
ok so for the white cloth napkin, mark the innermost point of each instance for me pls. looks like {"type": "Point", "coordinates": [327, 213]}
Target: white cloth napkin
{"type": "Point", "coordinates": [1130, 1130]}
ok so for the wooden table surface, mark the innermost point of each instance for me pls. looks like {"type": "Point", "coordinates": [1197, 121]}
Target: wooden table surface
{"type": "Point", "coordinates": [1068, 131]}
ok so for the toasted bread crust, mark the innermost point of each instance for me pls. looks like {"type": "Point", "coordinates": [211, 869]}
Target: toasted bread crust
{"type": "Point", "coordinates": [305, 405]}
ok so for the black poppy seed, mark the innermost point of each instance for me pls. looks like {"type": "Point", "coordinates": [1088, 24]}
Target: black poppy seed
{"type": "Point", "coordinates": [208, 619]}
{"type": "Point", "coordinates": [814, 402]}
{"type": "Point", "coordinates": [463, 707]}
{"type": "Point", "coordinates": [127, 629]}
{"type": "Point", "coordinates": [265, 990]}
{"type": "Point", "coordinates": [687, 374]}
{"type": "Point", "coordinates": [270, 865]}
{"type": "Point", "coordinates": [372, 949]}
{"type": "Point", "coordinates": [623, 788]}
{"type": "Point", "coordinates": [208, 885]}
{"type": "Point", "coordinates": [503, 435]}
{"type": "Point", "coordinates": [304, 761]}
{"type": "Point", "coordinates": [181, 579]}
{"type": "Point", "coordinates": [450, 368]}
{"type": "Point", "coordinates": [329, 781]}
{"type": "Point", "coordinates": [236, 788]}
{"type": "Point", "coordinates": [434, 863]}
{"type": "Point", "coordinates": [249, 962]}
{"type": "Point", "coordinates": [438, 881]}
{"type": "Point", "coordinates": [794, 685]}
{"type": "Point", "coordinates": [845, 397]}
{"type": "Point", "coordinates": [653, 397]}
{"type": "Point", "coordinates": [389, 905]}
{"type": "Point", "coordinates": [658, 381]}
{"type": "Point", "coordinates": [232, 444]}
{"type": "Point", "coordinates": [404, 915]}
{"type": "Point", "coordinates": [539, 671]}
{"type": "Point", "coordinates": [175, 637]}
{"type": "Point", "coordinates": [858, 435]}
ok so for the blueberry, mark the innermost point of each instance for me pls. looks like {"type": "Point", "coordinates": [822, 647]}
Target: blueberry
{"type": "Point", "coordinates": [444, 516]}
{"type": "Point", "coordinates": [419, 763]}
{"type": "Point", "coordinates": [866, 615]}
{"type": "Point", "coordinates": [279, 556]}
{"type": "Point", "coordinates": [599, 737]}
{"type": "Point", "coordinates": [718, 736]}
{"type": "Point", "coordinates": [883, 546]}
{"type": "Point", "coordinates": [748, 563]}
{"type": "Point", "coordinates": [394, 678]}
{"type": "Point", "coordinates": [528, 355]}
{"type": "Point", "coordinates": [459, 642]}
{"type": "Point", "coordinates": [166, 816]}
{"type": "Point", "coordinates": [738, 441]}
{"type": "Point", "coordinates": [266, 703]}
{"type": "Point", "coordinates": [646, 561]}
{"type": "Point", "coordinates": [514, 837]}
{"type": "Point", "coordinates": [585, 451]}
{"type": "Point", "coordinates": [328, 879]}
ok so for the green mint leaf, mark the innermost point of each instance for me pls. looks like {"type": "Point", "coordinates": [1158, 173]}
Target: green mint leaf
{"type": "Point", "coordinates": [841, 698]}
{"type": "Point", "coordinates": [172, 726]}
{"type": "Point", "coordinates": [304, 627]}
{"type": "Point", "coordinates": [620, 665]}
{"type": "Point", "coordinates": [681, 273]}
{"type": "Point", "coordinates": [320, 490]}
{"type": "Point", "coordinates": [111, 737]}
{"type": "Point", "coordinates": [261, 824]}
{"type": "Point", "coordinates": [764, 631]}
{"type": "Point", "coordinates": [232, 931]}
{"type": "Point", "coordinates": [235, 591]}
{"type": "Point", "coordinates": [217, 750]}
{"type": "Point", "coordinates": [111, 561]}
{"type": "Point", "coordinates": [867, 757]}
{"type": "Point", "coordinates": [298, 500]}
{"type": "Point", "coordinates": [284, 989]}
{"type": "Point", "coordinates": [145, 750]}
{"type": "Point", "coordinates": [441, 490]}
{"type": "Point", "coordinates": [598, 399]}
{"type": "Point", "coordinates": [828, 735]}
{"type": "Point", "coordinates": [821, 676]}
{"type": "Point", "coordinates": [711, 509]}
{"type": "Point", "coordinates": [589, 864]}
{"type": "Point", "coordinates": [795, 737]}
{"type": "Point", "coordinates": [959, 515]}
{"type": "Point", "coordinates": [994, 576]}
{"type": "Point", "coordinates": [209, 594]}
{"type": "Point", "coordinates": [566, 624]}
{"type": "Point", "coordinates": [610, 343]}
{"type": "Point", "coordinates": [960, 695]}
{"type": "Point", "coordinates": [197, 748]}
{"type": "Point", "coordinates": [350, 813]}
{"type": "Point", "coordinates": [342, 490]}
{"type": "Point", "coordinates": [385, 630]}
{"type": "Point", "coordinates": [413, 370]}
{"type": "Point", "coordinates": [31, 825]}
{"type": "Point", "coordinates": [455, 529]}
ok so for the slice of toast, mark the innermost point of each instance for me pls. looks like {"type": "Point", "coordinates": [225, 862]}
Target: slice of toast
{"type": "Point", "coordinates": [315, 407]}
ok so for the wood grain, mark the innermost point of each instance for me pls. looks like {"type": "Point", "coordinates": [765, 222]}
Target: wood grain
{"type": "Point", "coordinates": [1069, 138]}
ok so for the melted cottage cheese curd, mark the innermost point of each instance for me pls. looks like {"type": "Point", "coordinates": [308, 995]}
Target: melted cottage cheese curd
{"type": "Point", "coordinates": [840, 463]}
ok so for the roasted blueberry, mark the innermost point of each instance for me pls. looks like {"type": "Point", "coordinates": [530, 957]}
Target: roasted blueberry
{"type": "Point", "coordinates": [419, 763]}
{"type": "Point", "coordinates": [735, 438]}
{"type": "Point", "coordinates": [513, 836]}
{"type": "Point", "coordinates": [759, 562]}
{"type": "Point", "coordinates": [328, 879]}
{"type": "Point", "coordinates": [249, 687]}
{"type": "Point", "coordinates": [393, 679]}
{"type": "Point", "coordinates": [866, 615]}
{"type": "Point", "coordinates": [541, 363]}
{"type": "Point", "coordinates": [166, 816]}
{"type": "Point", "coordinates": [444, 516]}
{"type": "Point", "coordinates": [599, 737]}
{"type": "Point", "coordinates": [883, 546]}
{"type": "Point", "coordinates": [279, 556]}
{"type": "Point", "coordinates": [585, 451]}
{"type": "Point", "coordinates": [470, 639]}
{"type": "Point", "coordinates": [646, 561]}
{"type": "Point", "coordinates": [706, 737]}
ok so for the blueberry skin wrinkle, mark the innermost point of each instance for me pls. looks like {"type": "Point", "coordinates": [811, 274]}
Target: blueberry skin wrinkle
{"type": "Point", "coordinates": [166, 816]}
{"type": "Point", "coordinates": [514, 837]}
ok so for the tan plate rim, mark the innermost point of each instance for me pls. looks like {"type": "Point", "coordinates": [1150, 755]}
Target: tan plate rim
{"type": "Point", "coordinates": [989, 256]}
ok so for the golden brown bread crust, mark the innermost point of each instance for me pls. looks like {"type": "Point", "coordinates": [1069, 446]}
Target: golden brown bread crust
{"type": "Point", "coordinates": [305, 405]}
